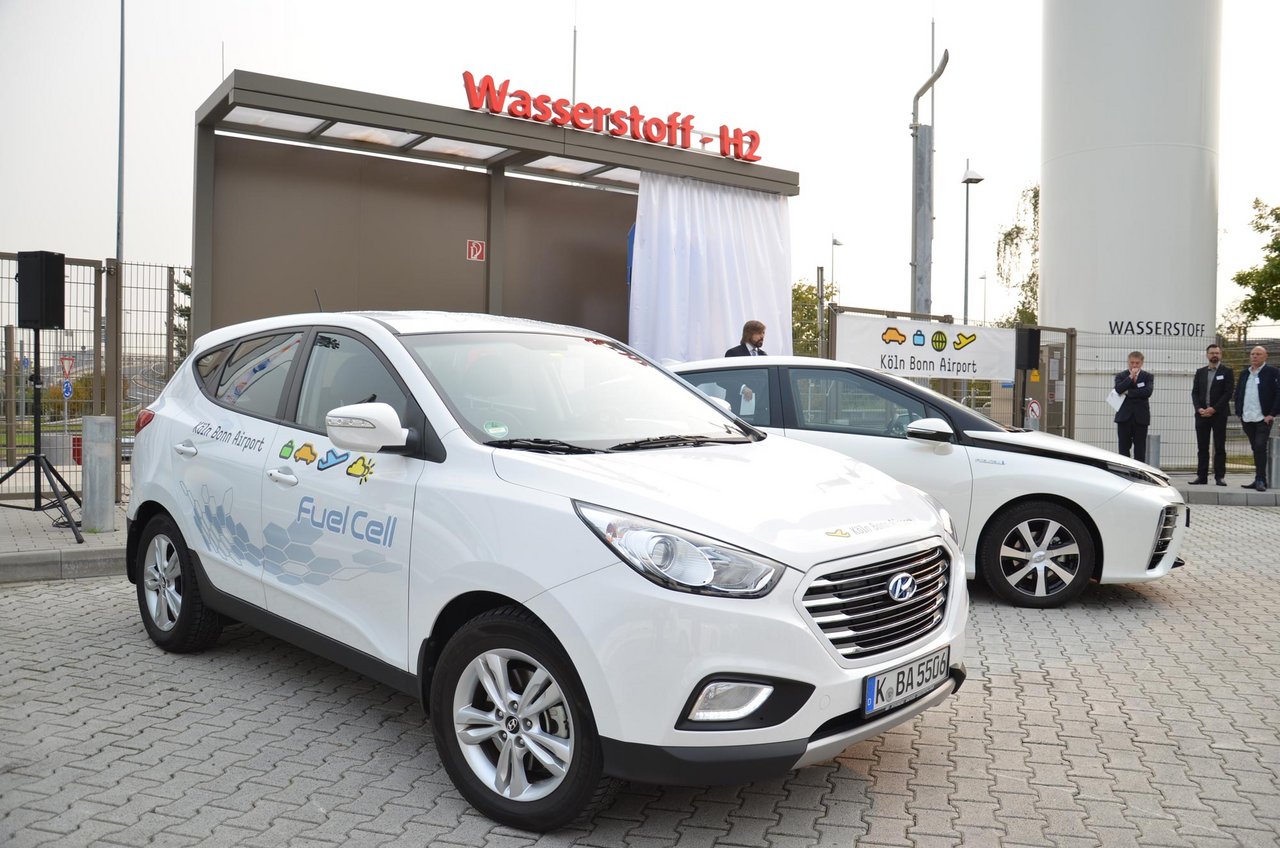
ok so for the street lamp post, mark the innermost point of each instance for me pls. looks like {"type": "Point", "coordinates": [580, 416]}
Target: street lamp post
{"type": "Point", "coordinates": [822, 301]}
{"type": "Point", "coordinates": [971, 177]}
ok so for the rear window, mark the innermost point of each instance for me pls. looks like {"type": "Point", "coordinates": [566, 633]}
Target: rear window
{"type": "Point", "coordinates": [255, 376]}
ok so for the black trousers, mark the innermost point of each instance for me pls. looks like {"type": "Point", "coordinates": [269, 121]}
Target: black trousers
{"type": "Point", "coordinates": [1259, 433]}
{"type": "Point", "coordinates": [1217, 426]}
{"type": "Point", "coordinates": [1135, 434]}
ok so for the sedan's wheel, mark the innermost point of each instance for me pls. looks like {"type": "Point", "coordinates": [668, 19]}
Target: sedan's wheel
{"type": "Point", "coordinates": [169, 599]}
{"type": "Point", "coordinates": [1037, 554]}
{"type": "Point", "coordinates": [513, 725]}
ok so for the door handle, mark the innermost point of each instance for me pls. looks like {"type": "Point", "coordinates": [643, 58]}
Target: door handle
{"type": "Point", "coordinates": [282, 476]}
{"type": "Point", "coordinates": [186, 448]}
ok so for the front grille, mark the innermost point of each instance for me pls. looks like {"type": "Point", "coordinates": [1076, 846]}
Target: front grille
{"type": "Point", "coordinates": [1164, 534]}
{"type": "Point", "coordinates": [853, 609]}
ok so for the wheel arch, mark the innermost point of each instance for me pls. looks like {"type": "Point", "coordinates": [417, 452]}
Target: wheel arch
{"type": "Point", "coordinates": [1066, 503]}
{"type": "Point", "coordinates": [146, 511]}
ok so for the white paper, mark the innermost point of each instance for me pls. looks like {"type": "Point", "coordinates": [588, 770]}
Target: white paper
{"type": "Point", "coordinates": [748, 406]}
{"type": "Point", "coordinates": [1115, 399]}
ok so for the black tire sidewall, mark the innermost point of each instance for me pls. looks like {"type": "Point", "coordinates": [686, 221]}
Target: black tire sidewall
{"type": "Point", "coordinates": [1003, 524]}
{"type": "Point", "coordinates": [515, 630]}
{"type": "Point", "coordinates": [181, 633]}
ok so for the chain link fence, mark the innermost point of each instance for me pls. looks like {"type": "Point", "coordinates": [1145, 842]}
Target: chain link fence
{"type": "Point", "coordinates": [77, 364]}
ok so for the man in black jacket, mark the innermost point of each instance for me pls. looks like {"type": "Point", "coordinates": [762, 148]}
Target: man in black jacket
{"type": "Point", "coordinates": [1134, 415]}
{"type": "Point", "coordinates": [1211, 391]}
{"type": "Point", "coordinates": [752, 339]}
{"type": "Point", "coordinates": [1258, 404]}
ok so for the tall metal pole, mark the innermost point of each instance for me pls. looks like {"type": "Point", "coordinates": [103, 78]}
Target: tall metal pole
{"type": "Point", "coordinates": [922, 199]}
{"type": "Point", "coordinates": [120, 155]}
{"type": "Point", "coordinates": [966, 243]}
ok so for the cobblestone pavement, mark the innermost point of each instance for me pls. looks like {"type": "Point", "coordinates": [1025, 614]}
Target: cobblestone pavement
{"type": "Point", "coordinates": [1142, 715]}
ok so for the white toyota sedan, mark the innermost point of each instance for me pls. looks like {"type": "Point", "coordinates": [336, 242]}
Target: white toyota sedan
{"type": "Point", "coordinates": [1038, 515]}
{"type": "Point", "coordinates": [584, 568]}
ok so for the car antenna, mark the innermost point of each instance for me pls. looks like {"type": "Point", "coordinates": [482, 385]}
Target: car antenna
{"type": "Point", "coordinates": [318, 304]}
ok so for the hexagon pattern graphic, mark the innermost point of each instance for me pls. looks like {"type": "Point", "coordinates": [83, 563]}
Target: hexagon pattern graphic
{"type": "Point", "coordinates": [287, 553]}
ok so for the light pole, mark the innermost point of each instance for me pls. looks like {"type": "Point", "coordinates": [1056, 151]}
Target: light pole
{"type": "Point", "coordinates": [822, 301]}
{"type": "Point", "coordinates": [983, 277]}
{"type": "Point", "coordinates": [971, 177]}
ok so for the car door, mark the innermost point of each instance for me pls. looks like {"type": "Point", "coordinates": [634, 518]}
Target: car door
{"type": "Point", "coordinates": [220, 442]}
{"type": "Point", "coordinates": [338, 523]}
{"type": "Point", "coordinates": [850, 412]}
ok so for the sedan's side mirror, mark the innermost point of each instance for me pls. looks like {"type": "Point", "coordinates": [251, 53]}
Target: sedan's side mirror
{"type": "Point", "coordinates": [368, 427]}
{"type": "Point", "coordinates": [930, 430]}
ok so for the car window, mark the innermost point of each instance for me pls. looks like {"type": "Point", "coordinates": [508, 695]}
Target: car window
{"type": "Point", "coordinates": [209, 364]}
{"type": "Point", "coordinates": [342, 370]}
{"type": "Point", "coordinates": [257, 372]}
{"type": "Point", "coordinates": [745, 389]}
{"type": "Point", "coordinates": [846, 402]}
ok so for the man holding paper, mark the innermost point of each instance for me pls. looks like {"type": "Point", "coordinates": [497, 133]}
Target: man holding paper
{"type": "Point", "coordinates": [1133, 415]}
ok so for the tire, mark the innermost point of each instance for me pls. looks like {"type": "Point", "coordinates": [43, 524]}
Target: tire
{"type": "Point", "coordinates": [169, 600]}
{"type": "Point", "coordinates": [555, 774]}
{"type": "Point", "coordinates": [1037, 554]}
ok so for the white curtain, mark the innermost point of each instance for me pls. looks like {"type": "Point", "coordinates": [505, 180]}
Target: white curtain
{"type": "Point", "coordinates": [707, 259]}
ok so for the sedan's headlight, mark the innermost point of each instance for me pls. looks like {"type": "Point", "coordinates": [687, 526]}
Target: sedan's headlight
{"type": "Point", "coordinates": [1136, 475]}
{"type": "Point", "coordinates": [680, 560]}
{"type": "Point", "coordinates": [948, 524]}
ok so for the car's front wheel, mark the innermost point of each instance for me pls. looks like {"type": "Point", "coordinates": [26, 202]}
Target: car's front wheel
{"type": "Point", "coordinates": [1037, 554]}
{"type": "Point", "coordinates": [169, 599]}
{"type": "Point", "coordinates": [512, 723]}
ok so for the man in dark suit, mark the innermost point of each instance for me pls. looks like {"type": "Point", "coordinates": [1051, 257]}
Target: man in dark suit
{"type": "Point", "coordinates": [752, 339]}
{"type": "Point", "coordinates": [1211, 390]}
{"type": "Point", "coordinates": [1258, 404]}
{"type": "Point", "coordinates": [1134, 415]}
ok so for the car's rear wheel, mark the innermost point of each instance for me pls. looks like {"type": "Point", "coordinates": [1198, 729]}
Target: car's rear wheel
{"type": "Point", "coordinates": [169, 599]}
{"type": "Point", "coordinates": [512, 723]}
{"type": "Point", "coordinates": [1037, 554]}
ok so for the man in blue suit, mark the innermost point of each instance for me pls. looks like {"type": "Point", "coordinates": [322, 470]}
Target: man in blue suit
{"type": "Point", "coordinates": [1134, 415]}
{"type": "Point", "coordinates": [1258, 404]}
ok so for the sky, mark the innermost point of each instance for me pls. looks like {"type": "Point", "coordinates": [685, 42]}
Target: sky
{"type": "Point", "coordinates": [828, 85]}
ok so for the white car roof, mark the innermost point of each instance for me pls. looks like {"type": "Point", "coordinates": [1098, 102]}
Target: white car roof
{"type": "Point", "coordinates": [400, 323]}
{"type": "Point", "coordinates": [737, 361]}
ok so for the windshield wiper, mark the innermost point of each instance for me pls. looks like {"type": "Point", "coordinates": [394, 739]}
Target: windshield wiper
{"type": "Point", "coordinates": [676, 441]}
{"type": "Point", "coordinates": [545, 445]}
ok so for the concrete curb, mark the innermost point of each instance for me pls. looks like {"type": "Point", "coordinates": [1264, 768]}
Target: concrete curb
{"type": "Point", "coordinates": [61, 564]}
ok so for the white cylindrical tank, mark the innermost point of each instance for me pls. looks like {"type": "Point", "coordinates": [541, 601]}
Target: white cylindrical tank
{"type": "Point", "coordinates": [1129, 194]}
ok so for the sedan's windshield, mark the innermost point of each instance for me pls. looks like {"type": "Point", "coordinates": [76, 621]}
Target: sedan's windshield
{"type": "Point", "coordinates": [535, 391]}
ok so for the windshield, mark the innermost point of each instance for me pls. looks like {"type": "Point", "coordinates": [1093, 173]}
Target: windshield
{"type": "Point", "coordinates": [515, 387]}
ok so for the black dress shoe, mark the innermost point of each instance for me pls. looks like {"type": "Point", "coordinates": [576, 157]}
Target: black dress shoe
{"type": "Point", "coordinates": [1220, 481]}
{"type": "Point", "coordinates": [1199, 481]}
{"type": "Point", "coordinates": [1261, 487]}
{"type": "Point", "coordinates": [1252, 485]}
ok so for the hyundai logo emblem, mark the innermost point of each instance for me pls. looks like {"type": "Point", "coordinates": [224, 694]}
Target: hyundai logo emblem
{"type": "Point", "coordinates": [902, 587]}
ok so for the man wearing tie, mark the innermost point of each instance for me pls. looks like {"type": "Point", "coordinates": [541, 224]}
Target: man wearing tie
{"type": "Point", "coordinates": [752, 339]}
{"type": "Point", "coordinates": [1134, 415]}
{"type": "Point", "coordinates": [1211, 389]}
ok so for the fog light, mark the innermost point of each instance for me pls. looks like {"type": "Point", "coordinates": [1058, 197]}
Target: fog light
{"type": "Point", "coordinates": [729, 701]}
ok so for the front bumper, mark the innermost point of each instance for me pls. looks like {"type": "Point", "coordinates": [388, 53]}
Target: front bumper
{"type": "Point", "coordinates": [735, 764]}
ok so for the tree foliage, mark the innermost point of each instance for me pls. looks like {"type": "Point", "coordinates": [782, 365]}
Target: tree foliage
{"type": "Point", "coordinates": [1018, 260]}
{"type": "Point", "coordinates": [804, 317]}
{"type": "Point", "coordinates": [1263, 280]}
{"type": "Point", "coordinates": [182, 313]}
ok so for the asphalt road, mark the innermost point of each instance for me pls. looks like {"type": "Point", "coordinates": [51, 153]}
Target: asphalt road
{"type": "Point", "coordinates": [1144, 715]}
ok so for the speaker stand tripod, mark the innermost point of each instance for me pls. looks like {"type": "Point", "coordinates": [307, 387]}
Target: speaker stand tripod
{"type": "Point", "coordinates": [43, 468]}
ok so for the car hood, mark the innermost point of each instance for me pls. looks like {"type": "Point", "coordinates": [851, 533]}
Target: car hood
{"type": "Point", "coordinates": [796, 503]}
{"type": "Point", "coordinates": [1048, 444]}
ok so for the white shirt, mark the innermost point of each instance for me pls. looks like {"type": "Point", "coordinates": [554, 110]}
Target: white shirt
{"type": "Point", "coordinates": [1252, 403]}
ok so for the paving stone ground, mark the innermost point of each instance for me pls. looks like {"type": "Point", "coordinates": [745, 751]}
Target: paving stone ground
{"type": "Point", "coordinates": [1145, 715]}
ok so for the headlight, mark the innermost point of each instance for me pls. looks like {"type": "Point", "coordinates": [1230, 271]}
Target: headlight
{"type": "Point", "coordinates": [1136, 475]}
{"type": "Point", "coordinates": [680, 560]}
{"type": "Point", "coordinates": [947, 523]}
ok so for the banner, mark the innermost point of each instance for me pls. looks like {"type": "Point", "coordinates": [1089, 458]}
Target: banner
{"type": "Point", "coordinates": [925, 349]}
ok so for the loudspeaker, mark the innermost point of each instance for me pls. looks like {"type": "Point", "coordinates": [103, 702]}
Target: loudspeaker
{"type": "Point", "coordinates": [41, 283]}
{"type": "Point", "coordinates": [1027, 345]}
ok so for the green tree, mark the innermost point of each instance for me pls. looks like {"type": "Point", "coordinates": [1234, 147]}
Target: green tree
{"type": "Point", "coordinates": [1018, 260]}
{"type": "Point", "coordinates": [804, 317]}
{"type": "Point", "coordinates": [1263, 280]}
{"type": "Point", "coordinates": [182, 313]}
{"type": "Point", "coordinates": [1233, 324]}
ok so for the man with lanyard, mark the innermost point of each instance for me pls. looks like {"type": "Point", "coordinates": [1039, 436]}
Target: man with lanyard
{"type": "Point", "coordinates": [1211, 390]}
{"type": "Point", "coordinates": [1257, 404]}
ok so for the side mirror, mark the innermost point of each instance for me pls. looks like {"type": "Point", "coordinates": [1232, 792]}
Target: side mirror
{"type": "Point", "coordinates": [367, 427]}
{"type": "Point", "coordinates": [930, 430]}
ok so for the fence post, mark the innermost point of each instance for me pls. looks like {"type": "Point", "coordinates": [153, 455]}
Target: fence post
{"type": "Point", "coordinates": [168, 330]}
{"type": "Point", "coordinates": [10, 397]}
{"type": "Point", "coordinates": [114, 359]}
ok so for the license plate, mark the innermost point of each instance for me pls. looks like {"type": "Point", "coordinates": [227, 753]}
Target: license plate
{"type": "Point", "coordinates": [906, 682]}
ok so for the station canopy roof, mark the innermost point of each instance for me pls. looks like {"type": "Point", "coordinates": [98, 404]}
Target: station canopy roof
{"type": "Point", "coordinates": [280, 109]}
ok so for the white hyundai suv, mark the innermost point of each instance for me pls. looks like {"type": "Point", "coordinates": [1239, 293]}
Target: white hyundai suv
{"type": "Point", "coordinates": [584, 568]}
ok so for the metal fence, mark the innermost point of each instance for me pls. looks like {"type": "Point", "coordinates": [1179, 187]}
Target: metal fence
{"type": "Point", "coordinates": [121, 340]}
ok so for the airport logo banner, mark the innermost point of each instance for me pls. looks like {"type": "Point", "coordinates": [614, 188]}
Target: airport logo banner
{"type": "Point", "coordinates": [925, 349]}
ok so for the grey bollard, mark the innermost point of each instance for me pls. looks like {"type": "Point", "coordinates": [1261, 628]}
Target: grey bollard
{"type": "Point", "coordinates": [99, 451]}
{"type": "Point", "coordinates": [1153, 449]}
{"type": "Point", "coordinates": [1273, 462]}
